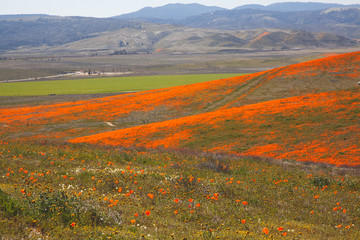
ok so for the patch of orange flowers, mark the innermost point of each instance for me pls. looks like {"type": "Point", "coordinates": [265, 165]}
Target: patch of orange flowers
{"type": "Point", "coordinates": [306, 143]}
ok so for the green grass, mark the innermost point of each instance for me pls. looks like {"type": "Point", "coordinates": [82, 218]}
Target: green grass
{"type": "Point", "coordinates": [57, 191]}
{"type": "Point", "coordinates": [104, 85]}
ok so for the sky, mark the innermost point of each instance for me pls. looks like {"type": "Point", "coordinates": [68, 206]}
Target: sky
{"type": "Point", "coordinates": [109, 8]}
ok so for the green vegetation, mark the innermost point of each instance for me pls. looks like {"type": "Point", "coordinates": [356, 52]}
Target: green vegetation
{"type": "Point", "coordinates": [51, 188]}
{"type": "Point", "coordinates": [57, 191]}
{"type": "Point", "coordinates": [104, 85]}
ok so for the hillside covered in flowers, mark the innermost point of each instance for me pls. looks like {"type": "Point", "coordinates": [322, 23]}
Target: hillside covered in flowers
{"type": "Point", "coordinates": [270, 155]}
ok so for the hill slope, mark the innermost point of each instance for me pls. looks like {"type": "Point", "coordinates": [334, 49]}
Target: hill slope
{"type": "Point", "coordinates": [221, 115]}
{"type": "Point", "coordinates": [340, 21]}
{"type": "Point", "coordinates": [171, 11]}
{"type": "Point", "coordinates": [296, 6]}
{"type": "Point", "coordinates": [154, 38]}
{"type": "Point", "coordinates": [317, 128]}
{"type": "Point", "coordinates": [37, 30]}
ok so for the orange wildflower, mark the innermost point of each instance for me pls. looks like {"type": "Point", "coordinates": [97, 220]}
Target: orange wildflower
{"type": "Point", "coordinates": [265, 231]}
{"type": "Point", "coordinates": [215, 196]}
{"type": "Point", "coordinates": [147, 212]}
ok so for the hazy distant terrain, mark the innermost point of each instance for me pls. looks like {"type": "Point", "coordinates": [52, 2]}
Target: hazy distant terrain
{"type": "Point", "coordinates": [171, 11]}
{"type": "Point", "coordinates": [341, 21]}
{"type": "Point", "coordinates": [37, 30]}
{"type": "Point", "coordinates": [187, 28]}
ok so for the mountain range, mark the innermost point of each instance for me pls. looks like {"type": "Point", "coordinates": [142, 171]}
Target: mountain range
{"type": "Point", "coordinates": [180, 11]}
{"type": "Point", "coordinates": [189, 28]}
{"type": "Point", "coordinates": [176, 11]}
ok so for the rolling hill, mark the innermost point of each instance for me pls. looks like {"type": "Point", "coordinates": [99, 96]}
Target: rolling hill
{"type": "Point", "coordinates": [313, 128]}
{"type": "Point", "coordinates": [175, 11]}
{"type": "Point", "coordinates": [178, 27]}
{"type": "Point", "coordinates": [316, 127]}
{"type": "Point", "coordinates": [37, 30]}
{"type": "Point", "coordinates": [286, 112]}
{"type": "Point", "coordinates": [155, 38]}
{"type": "Point", "coordinates": [295, 6]}
{"type": "Point", "coordinates": [340, 21]}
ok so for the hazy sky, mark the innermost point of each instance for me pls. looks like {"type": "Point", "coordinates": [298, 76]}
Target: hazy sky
{"type": "Point", "coordinates": [108, 8]}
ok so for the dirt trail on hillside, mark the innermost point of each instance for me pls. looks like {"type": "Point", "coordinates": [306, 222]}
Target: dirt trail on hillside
{"type": "Point", "coordinates": [243, 91]}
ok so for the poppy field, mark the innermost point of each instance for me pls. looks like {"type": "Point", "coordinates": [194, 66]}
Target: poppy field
{"type": "Point", "coordinates": [269, 155]}
{"type": "Point", "coordinates": [81, 192]}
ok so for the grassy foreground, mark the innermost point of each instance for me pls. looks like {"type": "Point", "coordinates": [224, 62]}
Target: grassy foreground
{"type": "Point", "coordinates": [104, 85]}
{"type": "Point", "coordinates": [72, 191]}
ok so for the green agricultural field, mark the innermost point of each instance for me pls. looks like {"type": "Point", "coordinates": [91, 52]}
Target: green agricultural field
{"type": "Point", "coordinates": [104, 85]}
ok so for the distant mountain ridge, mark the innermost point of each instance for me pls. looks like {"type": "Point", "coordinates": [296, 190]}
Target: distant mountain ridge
{"type": "Point", "coordinates": [179, 11]}
{"type": "Point", "coordinates": [295, 6]}
{"type": "Point", "coordinates": [22, 16]}
{"type": "Point", "coordinates": [186, 28]}
{"type": "Point", "coordinates": [37, 30]}
{"type": "Point", "coordinates": [340, 21]}
{"type": "Point", "coordinates": [176, 11]}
